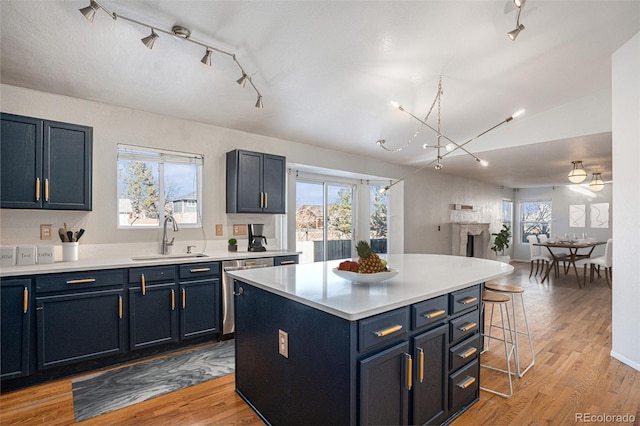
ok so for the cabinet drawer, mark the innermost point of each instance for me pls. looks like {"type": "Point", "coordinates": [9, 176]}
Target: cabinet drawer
{"type": "Point", "coordinates": [80, 280]}
{"type": "Point", "coordinates": [465, 299]}
{"type": "Point", "coordinates": [464, 352]}
{"type": "Point", "coordinates": [152, 273]}
{"type": "Point", "coordinates": [429, 312]}
{"type": "Point", "coordinates": [195, 270]}
{"type": "Point", "coordinates": [285, 260]}
{"type": "Point", "coordinates": [382, 328]}
{"type": "Point", "coordinates": [464, 326]}
{"type": "Point", "coordinates": [464, 387]}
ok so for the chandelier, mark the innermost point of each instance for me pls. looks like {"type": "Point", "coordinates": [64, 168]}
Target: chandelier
{"type": "Point", "coordinates": [442, 149]}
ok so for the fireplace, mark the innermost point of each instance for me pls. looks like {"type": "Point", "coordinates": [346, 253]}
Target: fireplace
{"type": "Point", "coordinates": [470, 239]}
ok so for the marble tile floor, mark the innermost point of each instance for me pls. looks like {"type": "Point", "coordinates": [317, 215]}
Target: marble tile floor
{"type": "Point", "coordinates": [113, 389]}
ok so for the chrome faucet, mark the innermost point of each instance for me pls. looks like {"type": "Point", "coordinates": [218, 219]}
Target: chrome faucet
{"type": "Point", "coordinates": [165, 242]}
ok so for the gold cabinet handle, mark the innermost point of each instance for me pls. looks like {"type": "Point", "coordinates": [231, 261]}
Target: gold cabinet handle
{"type": "Point", "coordinates": [173, 300]}
{"type": "Point", "coordinates": [46, 189]}
{"type": "Point", "coordinates": [467, 382]}
{"type": "Point", "coordinates": [387, 331]}
{"type": "Point", "coordinates": [25, 300]}
{"type": "Point", "coordinates": [262, 199]}
{"type": "Point", "coordinates": [184, 298]}
{"type": "Point", "coordinates": [287, 262]}
{"type": "Point", "coordinates": [421, 365]}
{"type": "Point", "coordinates": [82, 281]}
{"type": "Point", "coordinates": [469, 352]}
{"type": "Point", "coordinates": [266, 200]}
{"type": "Point", "coordinates": [199, 270]}
{"type": "Point", "coordinates": [468, 326]}
{"type": "Point", "coordinates": [37, 189]}
{"type": "Point", "coordinates": [409, 371]}
{"type": "Point", "coordinates": [468, 300]}
{"type": "Point", "coordinates": [144, 284]}
{"type": "Point", "coordinates": [120, 307]}
{"type": "Point", "coordinates": [434, 314]}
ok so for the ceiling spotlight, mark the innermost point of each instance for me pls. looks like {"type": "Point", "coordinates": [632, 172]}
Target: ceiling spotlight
{"type": "Point", "coordinates": [259, 102]}
{"type": "Point", "coordinates": [513, 34]}
{"type": "Point", "coordinates": [206, 59]}
{"type": "Point", "coordinates": [449, 147]}
{"type": "Point", "coordinates": [483, 163]}
{"type": "Point", "coordinates": [578, 174]}
{"type": "Point", "coordinates": [597, 184]}
{"type": "Point", "coordinates": [150, 39]}
{"type": "Point", "coordinates": [242, 81]}
{"type": "Point", "coordinates": [89, 12]}
{"type": "Point", "coordinates": [519, 3]}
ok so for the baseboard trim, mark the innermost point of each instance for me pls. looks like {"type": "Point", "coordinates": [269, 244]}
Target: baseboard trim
{"type": "Point", "coordinates": [625, 360]}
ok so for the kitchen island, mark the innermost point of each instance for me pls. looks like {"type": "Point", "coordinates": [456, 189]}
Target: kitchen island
{"type": "Point", "coordinates": [313, 348]}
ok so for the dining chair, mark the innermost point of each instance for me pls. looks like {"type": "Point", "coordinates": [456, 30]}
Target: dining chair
{"type": "Point", "coordinates": [543, 239]}
{"type": "Point", "coordinates": [536, 255]}
{"type": "Point", "coordinates": [605, 261]}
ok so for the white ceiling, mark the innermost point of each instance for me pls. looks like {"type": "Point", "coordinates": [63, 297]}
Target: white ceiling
{"type": "Point", "coordinates": [328, 69]}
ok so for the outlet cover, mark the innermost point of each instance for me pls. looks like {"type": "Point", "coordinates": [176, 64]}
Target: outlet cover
{"type": "Point", "coordinates": [218, 230]}
{"type": "Point", "coordinates": [239, 229]}
{"type": "Point", "coordinates": [283, 343]}
{"type": "Point", "coordinates": [46, 232]}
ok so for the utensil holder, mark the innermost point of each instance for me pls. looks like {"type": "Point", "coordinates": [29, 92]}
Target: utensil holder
{"type": "Point", "coordinates": [69, 252]}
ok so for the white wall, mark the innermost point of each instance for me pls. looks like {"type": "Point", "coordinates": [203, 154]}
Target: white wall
{"type": "Point", "coordinates": [561, 198]}
{"type": "Point", "coordinates": [113, 125]}
{"type": "Point", "coordinates": [429, 197]}
{"type": "Point", "coordinates": [626, 235]}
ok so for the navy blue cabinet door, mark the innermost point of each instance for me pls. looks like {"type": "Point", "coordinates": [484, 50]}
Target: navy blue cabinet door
{"type": "Point", "coordinates": [430, 376]}
{"type": "Point", "coordinates": [21, 162]}
{"type": "Point", "coordinates": [153, 315]}
{"type": "Point", "coordinates": [45, 164]}
{"type": "Point", "coordinates": [200, 308]}
{"type": "Point", "coordinates": [15, 313]}
{"type": "Point", "coordinates": [274, 184]}
{"type": "Point", "coordinates": [67, 166]}
{"type": "Point", "coordinates": [79, 326]}
{"type": "Point", "coordinates": [384, 387]}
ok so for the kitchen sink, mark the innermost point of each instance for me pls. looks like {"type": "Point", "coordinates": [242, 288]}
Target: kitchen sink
{"type": "Point", "coordinates": [169, 256]}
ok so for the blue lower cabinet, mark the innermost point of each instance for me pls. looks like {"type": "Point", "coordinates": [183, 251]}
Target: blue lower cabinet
{"type": "Point", "coordinates": [199, 308]}
{"type": "Point", "coordinates": [153, 318]}
{"type": "Point", "coordinates": [79, 326]}
{"type": "Point", "coordinates": [15, 317]}
{"type": "Point", "coordinates": [430, 376]}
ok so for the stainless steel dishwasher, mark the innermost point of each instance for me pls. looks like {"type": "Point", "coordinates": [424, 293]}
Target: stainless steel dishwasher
{"type": "Point", "coordinates": [228, 323]}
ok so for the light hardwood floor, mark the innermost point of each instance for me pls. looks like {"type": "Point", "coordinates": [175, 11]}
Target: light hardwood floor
{"type": "Point", "coordinates": [574, 375]}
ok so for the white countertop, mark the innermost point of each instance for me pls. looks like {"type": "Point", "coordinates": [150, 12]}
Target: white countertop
{"type": "Point", "coordinates": [115, 261]}
{"type": "Point", "coordinates": [421, 277]}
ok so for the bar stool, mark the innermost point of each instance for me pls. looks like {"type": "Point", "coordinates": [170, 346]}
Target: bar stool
{"type": "Point", "coordinates": [493, 298]}
{"type": "Point", "coordinates": [512, 291]}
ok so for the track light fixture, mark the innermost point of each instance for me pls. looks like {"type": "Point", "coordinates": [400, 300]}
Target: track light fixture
{"type": "Point", "coordinates": [150, 39]}
{"type": "Point", "coordinates": [451, 146]}
{"type": "Point", "coordinates": [513, 34]}
{"type": "Point", "coordinates": [178, 32]}
{"type": "Point", "coordinates": [578, 174]}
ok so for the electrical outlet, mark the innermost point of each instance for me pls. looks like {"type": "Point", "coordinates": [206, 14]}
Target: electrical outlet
{"type": "Point", "coordinates": [239, 229]}
{"type": "Point", "coordinates": [46, 232]}
{"type": "Point", "coordinates": [218, 230]}
{"type": "Point", "coordinates": [283, 343]}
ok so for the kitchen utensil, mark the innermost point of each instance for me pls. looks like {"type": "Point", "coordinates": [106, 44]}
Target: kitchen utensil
{"type": "Point", "coordinates": [79, 234]}
{"type": "Point", "coordinates": [70, 236]}
{"type": "Point", "coordinates": [63, 235]}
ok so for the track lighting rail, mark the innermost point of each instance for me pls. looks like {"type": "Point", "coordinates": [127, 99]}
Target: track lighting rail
{"type": "Point", "coordinates": [179, 32]}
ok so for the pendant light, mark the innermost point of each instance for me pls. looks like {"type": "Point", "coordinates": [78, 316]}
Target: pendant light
{"type": "Point", "coordinates": [597, 184]}
{"type": "Point", "coordinates": [578, 174]}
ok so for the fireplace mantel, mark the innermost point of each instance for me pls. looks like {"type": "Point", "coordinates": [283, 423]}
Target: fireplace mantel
{"type": "Point", "coordinates": [482, 237]}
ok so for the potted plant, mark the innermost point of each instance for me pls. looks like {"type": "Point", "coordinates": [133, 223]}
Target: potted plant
{"type": "Point", "coordinates": [501, 243]}
{"type": "Point", "coordinates": [233, 244]}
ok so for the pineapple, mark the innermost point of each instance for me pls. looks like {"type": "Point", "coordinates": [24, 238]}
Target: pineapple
{"type": "Point", "coordinates": [369, 262]}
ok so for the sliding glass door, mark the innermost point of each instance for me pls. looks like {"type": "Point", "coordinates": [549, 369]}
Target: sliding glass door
{"type": "Point", "coordinates": [324, 220]}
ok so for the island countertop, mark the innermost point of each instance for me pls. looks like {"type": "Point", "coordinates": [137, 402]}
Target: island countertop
{"type": "Point", "coordinates": [420, 277]}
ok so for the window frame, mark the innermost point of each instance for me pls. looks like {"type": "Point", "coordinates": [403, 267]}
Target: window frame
{"type": "Point", "coordinates": [160, 157]}
{"type": "Point", "coordinates": [523, 235]}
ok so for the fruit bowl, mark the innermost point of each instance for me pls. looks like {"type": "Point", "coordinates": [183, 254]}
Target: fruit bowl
{"type": "Point", "coordinates": [366, 278]}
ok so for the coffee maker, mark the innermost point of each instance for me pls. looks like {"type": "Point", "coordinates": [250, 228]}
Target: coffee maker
{"type": "Point", "coordinates": [256, 238]}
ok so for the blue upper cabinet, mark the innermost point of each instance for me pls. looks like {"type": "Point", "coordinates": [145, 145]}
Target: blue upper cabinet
{"type": "Point", "coordinates": [255, 182]}
{"type": "Point", "coordinates": [45, 164]}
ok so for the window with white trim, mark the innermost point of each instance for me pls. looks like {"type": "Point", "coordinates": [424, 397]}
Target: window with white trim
{"type": "Point", "coordinates": [155, 183]}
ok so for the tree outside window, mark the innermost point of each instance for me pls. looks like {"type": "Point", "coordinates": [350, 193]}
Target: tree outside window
{"type": "Point", "coordinates": [535, 218]}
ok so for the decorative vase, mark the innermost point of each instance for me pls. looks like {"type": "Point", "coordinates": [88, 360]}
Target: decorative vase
{"type": "Point", "coordinates": [232, 247]}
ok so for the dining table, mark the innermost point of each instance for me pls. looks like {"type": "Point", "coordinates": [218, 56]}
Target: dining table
{"type": "Point", "coordinates": [577, 250]}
